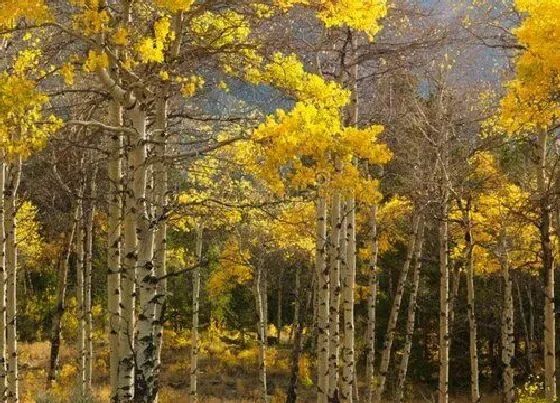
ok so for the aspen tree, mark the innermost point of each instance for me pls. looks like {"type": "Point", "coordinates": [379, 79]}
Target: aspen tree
{"type": "Point", "coordinates": [195, 337]}
{"type": "Point", "coordinates": [2, 281]}
{"type": "Point", "coordinates": [80, 240]}
{"type": "Point", "coordinates": [261, 333]}
{"type": "Point", "coordinates": [87, 278]}
{"type": "Point", "coordinates": [337, 261]}
{"type": "Point", "coordinates": [10, 192]}
{"type": "Point", "coordinates": [507, 321]}
{"type": "Point", "coordinates": [444, 303]}
{"type": "Point", "coordinates": [323, 303]}
{"type": "Point", "coordinates": [114, 245]}
{"type": "Point", "coordinates": [373, 283]}
{"type": "Point", "coordinates": [395, 308]}
{"type": "Point", "coordinates": [412, 307]}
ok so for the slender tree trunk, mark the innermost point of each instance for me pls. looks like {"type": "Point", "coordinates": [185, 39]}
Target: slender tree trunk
{"type": "Point", "coordinates": [62, 281]}
{"type": "Point", "coordinates": [507, 323]}
{"type": "Point", "coordinates": [412, 305]}
{"type": "Point", "coordinates": [348, 279]}
{"type": "Point", "coordinates": [373, 283]}
{"type": "Point", "coordinates": [323, 303]}
{"type": "Point", "coordinates": [87, 278]}
{"type": "Point", "coordinates": [337, 236]}
{"type": "Point", "coordinates": [145, 276]}
{"type": "Point", "coordinates": [195, 344]}
{"type": "Point", "coordinates": [395, 308]}
{"type": "Point", "coordinates": [160, 235]}
{"type": "Point", "coordinates": [81, 347]}
{"type": "Point", "coordinates": [548, 264]}
{"type": "Point", "coordinates": [261, 332]}
{"type": "Point", "coordinates": [531, 318]}
{"type": "Point", "coordinates": [14, 176]}
{"type": "Point", "coordinates": [299, 324]}
{"type": "Point", "coordinates": [2, 282]}
{"type": "Point", "coordinates": [128, 286]}
{"type": "Point", "coordinates": [279, 308]}
{"type": "Point", "coordinates": [525, 327]}
{"type": "Point", "coordinates": [296, 299]}
{"type": "Point", "coordinates": [473, 351]}
{"type": "Point", "coordinates": [114, 169]}
{"type": "Point", "coordinates": [444, 305]}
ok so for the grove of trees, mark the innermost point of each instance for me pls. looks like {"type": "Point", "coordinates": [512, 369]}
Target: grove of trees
{"type": "Point", "coordinates": [279, 200]}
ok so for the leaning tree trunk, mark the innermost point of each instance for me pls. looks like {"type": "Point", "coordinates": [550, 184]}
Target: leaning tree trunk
{"type": "Point", "coordinates": [261, 333]}
{"type": "Point", "coordinates": [2, 282]}
{"type": "Point", "coordinates": [411, 318]}
{"type": "Point", "coordinates": [160, 234]}
{"type": "Point", "coordinates": [444, 305]}
{"type": "Point", "coordinates": [145, 389]}
{"type": "Point", "coordinates": [373, 283]}
{"type": "Point", "coordinates": [336, 262]}
{"type": "Point", "coordinates": [195, 337]}
{"type": "Point", "coordinates": [395, 308]}
{"type": "Point", "coordinates": [525, 327]}
{"type": "Point", "coordinates": [508, 387]}
{"type": "Point", "coordinates": [473, 351]}
{"type": "Point", "coordinates": [548, 265]}
{"type": "Point", "coordinates": [87, 278]}
{"type": "Point", "coordinates": [14, 176]}
{"type": "Point", "coordinates": [348, 275]}
{"type": "Point", "coordinates": [323, 303]}
{"type": "Point", "coordinates": [62, 282]}
{"type": "Point", "coordinates": [114, 246]}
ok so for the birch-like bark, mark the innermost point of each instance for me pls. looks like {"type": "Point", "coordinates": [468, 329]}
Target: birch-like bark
{"type": "Point", "coordinates": [336, 258]}
{"type": "Point", "coordinates": [411, 318]}
{"type": "Point", "coordinates": [2, 282]}
{"type": "Point", "coordinates": [62, 282]}
{"type": "Point", "coordinates": [444, 305]}
{"type": "Point", "coordinates": [373, 283]}
{"type": "Point", "coordinates": [548, 265]}
{"type": "Point", "coordinates": [81, 345]}
{"type": "Point", "coordinates": [473, 351]}
{"type": "Point", "coordinates": [508, 387]}
{"type": "Point", "coordinates": [87, 278]}
{"type": "Point", "coordinates": [114, 169]}
{"type": "Point", "coordinates": [261, 332]}
{"type": "Point", "coordinates": [323, 302]}
{"type": "Point", "coordinates": [14, 176]}
{"type": "Point", "coordinates": [160, 234]}
{"type": "Point", "coordinates": [145, 276]}
{"type": "Point", "coordinates": [195, 337]}
{"type": "Point", "coordinates": [128, 287]}
{"type": "Point", "coordinates": [395, 308]}
{"type": "Point", "coordinates": [348, 275]}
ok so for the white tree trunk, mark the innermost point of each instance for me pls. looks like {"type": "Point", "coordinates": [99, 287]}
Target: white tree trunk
{"type": "Point", "coordinates": [87, 278]}
{"type": "Point", "coordinates": [395, 308]}
{"type": "Point", "coordinates": [160, 233]}
{"type": "Point", "coordinates": [337, 235]}
{"type": "Point", "coordinates": [128, 287]}
{"type": "Point", "coordinates": [508, 392]}
{"type": "Point", "coordinates": [2, 283]}
{"type": "Point", "coordinates": [473, 351]}
{"type": "Point", "coordinates": [411, 318]}
{"type": "Point", "coordinates": [81, 345]}
{"type": "Point", "coordinates": [114, 169]}
{"type": "Point", "coordinates": [11, 269]}
{"type": "Point", "coordinates": [195, 337]}
{"type": "Point", "coordinates": [145, 276]}
{"type": "Point", "coordinates": [348, 279]}
{"type": "Point", "coordinates": [323, 303]}
{"type": "Point", "coordinates": [444, 306]}
{"type": "Point", "coordinates": [373, 283]}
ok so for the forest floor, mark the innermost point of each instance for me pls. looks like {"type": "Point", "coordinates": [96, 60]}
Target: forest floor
{"type": "Point", "coordinates": [228, 372]}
